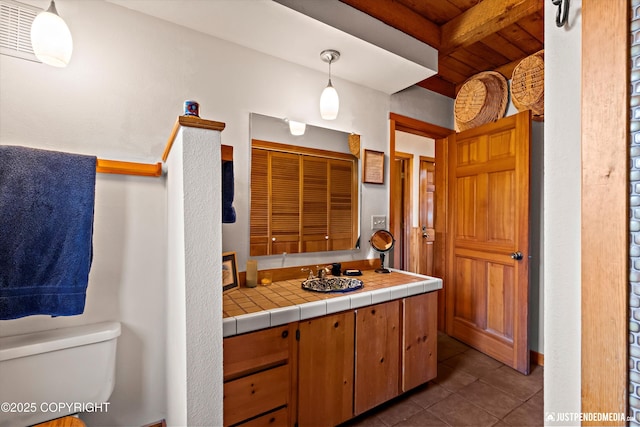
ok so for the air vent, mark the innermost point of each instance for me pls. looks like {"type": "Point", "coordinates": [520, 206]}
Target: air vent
{"type": "Point", "coordinates": [15, 29]}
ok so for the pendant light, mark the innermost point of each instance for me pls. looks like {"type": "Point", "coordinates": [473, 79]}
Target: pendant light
{"type": "Point", "coordinates": [329, 101]}
{"type": "Point", "coordinates": [51, 38]}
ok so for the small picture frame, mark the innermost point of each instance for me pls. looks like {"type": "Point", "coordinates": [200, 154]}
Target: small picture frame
{"type": "Point", "coordinates": [229, 271]}
{"type": "Point", "coordinates": [373, 167]}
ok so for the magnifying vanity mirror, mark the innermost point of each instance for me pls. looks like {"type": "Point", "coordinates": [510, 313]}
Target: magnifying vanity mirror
{"type": "Point", "coordinates": [382, 241]}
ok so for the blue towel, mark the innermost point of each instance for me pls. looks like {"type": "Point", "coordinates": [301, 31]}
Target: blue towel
{"type": "Point", "coordinates": [228, 211]}
{"type": "Point", "coordinates": [46, 229]}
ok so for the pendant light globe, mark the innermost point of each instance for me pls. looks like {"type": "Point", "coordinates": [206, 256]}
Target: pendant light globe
{"type": "Point", "coordinates": [51, 39]}
{"type": "Point", "coordinates": [329, 100]}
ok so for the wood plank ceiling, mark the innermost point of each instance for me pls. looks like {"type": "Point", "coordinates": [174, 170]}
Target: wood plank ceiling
{"type": "Point", "coordinates": [470, 35]}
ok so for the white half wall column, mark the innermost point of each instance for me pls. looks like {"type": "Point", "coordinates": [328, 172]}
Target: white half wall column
{"type": "Point", "coordinates": [194, 272]}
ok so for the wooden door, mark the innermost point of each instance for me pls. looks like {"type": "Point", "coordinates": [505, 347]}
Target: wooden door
{"type": "Point", "coordinates": [419, 339]}
{"type": "Point", "coordinates": [325, 370]}
{"type": "Point", "coordinates": [488, 280]}
{"type": "Point", "coordinates": [377, 355]}
{"type": "Point", "coordinates": [426, 215]}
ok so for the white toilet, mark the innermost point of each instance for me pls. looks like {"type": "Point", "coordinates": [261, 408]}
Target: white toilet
{"type": "Point", "coordinates": [50, 374]}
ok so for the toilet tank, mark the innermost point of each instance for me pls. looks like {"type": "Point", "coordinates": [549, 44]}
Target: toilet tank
{"type": "Point", "coordinates": [50, 374]}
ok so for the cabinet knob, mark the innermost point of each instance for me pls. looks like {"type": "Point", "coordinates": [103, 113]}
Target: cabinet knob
{"type": "Point", "coordinates": [285, 334]}
{"type": "Point", "coordinates": [326, 237]}
{"type": "Point", "coordinates": [273, 239]}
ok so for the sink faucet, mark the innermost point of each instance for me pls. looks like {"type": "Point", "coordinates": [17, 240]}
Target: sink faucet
{"type": "Point", "coordinates": [321, 272]}
{"type": "Point", "coordinates": [310, 276]}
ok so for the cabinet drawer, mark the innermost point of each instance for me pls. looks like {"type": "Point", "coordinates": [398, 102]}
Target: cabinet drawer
{"type": "Point", "coordinates": [273, 419]}
{"type": "Point", "coordinates": [255, 394]}
{"type": "Point", "coordinates": [256, 351]}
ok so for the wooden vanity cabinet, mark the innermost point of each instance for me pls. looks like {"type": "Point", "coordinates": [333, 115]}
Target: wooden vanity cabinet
{"type": "Point", "coordinates": [377, 354]}
{"type": "Point", "coordinates": [325, 370]}
{"type": "Point", "coordinates": [419, 339]}
{"type": "Point", "coordinates": [259, 371]}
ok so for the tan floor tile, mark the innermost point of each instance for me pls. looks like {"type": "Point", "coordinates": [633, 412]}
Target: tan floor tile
{"type": "Point", "coordinates": [456, 411]}
{"type": "Point", "coordinates": [422, 419]}
{"type": "Point", "coordinates": [473, 362]}
{"type": "Point", "coordinates": [399, 410]}
{"type": "Point", "coordinates": [429, 395]}
{"type": "Point", "coordinates": [489, 398]}
{"type": "Point", "coordinates": [528, 414]}
{"type": "Point", "coordinates": [449, 347]}
{"type": "Point", "coordinates": [514, 383]}
{"type": "Point", "coordinates": [453, 380]}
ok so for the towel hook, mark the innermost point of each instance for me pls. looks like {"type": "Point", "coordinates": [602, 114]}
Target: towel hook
{"type": "Point", "coordinates": [563, 12]}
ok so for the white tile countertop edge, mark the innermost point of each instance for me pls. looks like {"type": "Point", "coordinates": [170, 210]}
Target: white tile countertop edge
{"type": "Point", "coordinates": [267, 318]}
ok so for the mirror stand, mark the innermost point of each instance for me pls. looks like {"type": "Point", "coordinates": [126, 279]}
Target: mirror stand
{"type": "Point", "coordinates": [382, 269]}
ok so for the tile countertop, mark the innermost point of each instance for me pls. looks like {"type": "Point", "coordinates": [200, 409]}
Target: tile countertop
{"type": "Point", "coordinates": [251, 309]}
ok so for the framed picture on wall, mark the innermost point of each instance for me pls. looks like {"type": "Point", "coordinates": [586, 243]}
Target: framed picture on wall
{"type": "Point", "coordinates": [373, 167]}
{"type": "Point", "coordinates": [229, 271]}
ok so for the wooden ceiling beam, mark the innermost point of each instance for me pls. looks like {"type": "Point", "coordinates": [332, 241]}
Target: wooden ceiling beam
{"type": "Point", "coordinates": [439, 85]}
{"type": "Point", "coordinates": [483, 19]}
{"type": "Point", "coordinates": [400, 17]}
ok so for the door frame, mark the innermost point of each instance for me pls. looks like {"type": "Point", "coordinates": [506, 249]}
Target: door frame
{"type": "Point", "coordinates": [401, 255]}
{"type": "Point", "coordinates": [439, 134]}
{"type": "Point", "coordinates": [605, 262]}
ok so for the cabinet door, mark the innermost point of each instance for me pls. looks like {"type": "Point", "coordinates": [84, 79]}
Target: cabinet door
{"type": "Point", "coordinates": [259, 216]}
{"type": "Point", "coordinates": [377, 355]}
{"type": "Point", "coordinates": [315, 221]}
{"type": "Point", "coordinates": [284, 170]}
{"type": "Point", "coordinates": [420, 338]}
{"type": "Point", "coordinates": [343, 205]}
{"type": "Point", "coordinates": [260, 371]}
{"type": "Point", "coordinates": [325, 370]}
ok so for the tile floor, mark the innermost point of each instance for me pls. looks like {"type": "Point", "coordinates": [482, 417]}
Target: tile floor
{"type": "Point", "coordinates": [471, 390]}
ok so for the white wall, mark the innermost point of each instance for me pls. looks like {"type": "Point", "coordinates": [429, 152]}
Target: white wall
{"type": "Point", "coordinates": [118, 99]}
{"type": "Point", "coordinates": [562, 184]}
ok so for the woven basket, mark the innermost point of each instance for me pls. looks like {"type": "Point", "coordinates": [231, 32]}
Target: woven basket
{"type": "Point", "coordinates": [481, 99]}
{"type": "Point", "coordinates": [527, 85]}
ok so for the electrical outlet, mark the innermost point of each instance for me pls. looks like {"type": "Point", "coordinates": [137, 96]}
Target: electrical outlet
{"type": "Point", "coordinates": [378, 222]}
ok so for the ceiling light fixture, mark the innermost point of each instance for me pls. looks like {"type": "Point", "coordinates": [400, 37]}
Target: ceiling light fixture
{"type": "Point", "coordinates": [51, 38]}
{"type": "Point", "coordinates": [296, 128]}
{"type": "Point", "coordinates": [329, 101]}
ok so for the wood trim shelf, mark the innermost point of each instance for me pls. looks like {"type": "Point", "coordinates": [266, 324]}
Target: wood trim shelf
{"type": "Point", "coordinates": [128, 168]}
{"type": "Point", "coordinates": [155, 169]}
{"type": "Point", "coordinates": [190, 121]}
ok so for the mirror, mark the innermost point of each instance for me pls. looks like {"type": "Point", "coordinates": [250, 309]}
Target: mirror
{"type": "Point", "coordinates": [304, 190]}
{"type": "Point", "coordinates": [382, 241]}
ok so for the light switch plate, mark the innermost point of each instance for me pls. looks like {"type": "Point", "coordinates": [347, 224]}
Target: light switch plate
{"type": "Point", "coordinates": [378, 222]}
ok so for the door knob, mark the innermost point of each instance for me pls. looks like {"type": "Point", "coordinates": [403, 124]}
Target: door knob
{"type": "Point", "coordinates": [425, 234]}
{"type": "Point", "coordinates": [517, 256]}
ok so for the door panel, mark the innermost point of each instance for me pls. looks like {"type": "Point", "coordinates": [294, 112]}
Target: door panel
{"type": "Point", "coordinates": [427, 233]}
{"type": "Point", "coordinates": [487, 300]}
